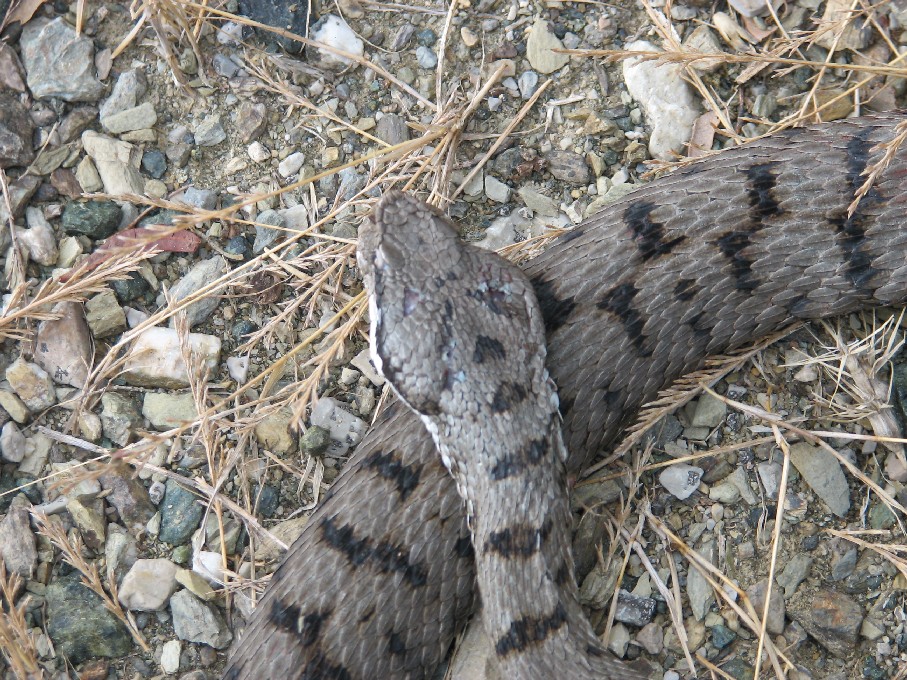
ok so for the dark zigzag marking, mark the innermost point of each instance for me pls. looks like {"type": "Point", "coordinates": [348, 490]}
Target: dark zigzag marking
{"type": "Point", "coordinates": [619, 302]}
{"type": "Point", "coordinates": [381, 555]}
{"type": "Point", "coordinates": [852, 229]}
{"type": "Point", "coordinates": [510, 465]}
{"type": "Point", "coordinates": [686, 289]}
{"type": "Point", "coordinates": [648, 234]}
{"type": "Point", "coordinates": [761, 180]}
{"type": "Point", "coordinates": [555, 310]}
{"type": "Point", "coordinates": [389, 466]}
{"type": "Point", "coordinates": [530, 630]}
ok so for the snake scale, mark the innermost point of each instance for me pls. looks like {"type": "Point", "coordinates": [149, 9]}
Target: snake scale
{"type": "Point", "coordinates": [704, 260]}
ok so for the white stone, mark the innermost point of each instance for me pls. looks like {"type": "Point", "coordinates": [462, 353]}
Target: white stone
{"type": "Point", "coordinates": [170, 656]}
{"type": "Point", "coordinates": [334, 32]}
{"type": "Point", "coordinates": [148, 585]}
{"type": "Point", "coordinates": [258, 152]}
{"type": "Point", "coordinates": [32, 383]}
{"type": "Point", "coordinates": [238, 368]}
{"type": "Point", "coordinates": [290, 165]}
{"type": "Point", "coordinates": [64, 348]}
{"type": "Point", "coordinates": [117, 163]}
{"type": "Point", "coordinates": [681, 480]}
{"type": "Point", "coordinates": [12, 443]}
{"type": "Point", "coordinates": [156, 360]}
{"type": "Point", "coordinates": [39, 238]}
{"type": "Point", "coordinates": [669, 102]}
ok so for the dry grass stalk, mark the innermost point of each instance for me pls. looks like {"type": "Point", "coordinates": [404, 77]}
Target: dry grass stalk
{"type": "Point", "coordinates": [17, 641]}
{"type": "Point", "coordinates": [50, 528]}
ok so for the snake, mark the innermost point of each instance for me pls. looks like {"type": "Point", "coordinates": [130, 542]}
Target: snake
{"type": "Point", "coordinates": [721, 252]}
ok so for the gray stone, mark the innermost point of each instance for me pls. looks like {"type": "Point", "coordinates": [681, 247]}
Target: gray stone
{"type": "Point", "coordinates": [538, 202]}
{"type": "Point", "coordinates": [770, 476]}
{"type": "Point", "coordinates": [795, 571]}
{"type": "Point", "coordinates": [81, 627]}
{"type": "Point", "coordinates": [206, 199]}
{"type": "Point", "coordinates": [210, 132]}
{"type": "Point", "coordinates": [823, 473]}
{"type": "Point", "coordinates": [128, 496]}
{"type": "Point", "coordinates": [651, 638]}
{"type": "Point", "coordinates": [117, 163]}
{"type": "Point", "coordinates": [392, 129]}
{"type": "Point", "coordinates": [139, 117]}
{"type": "Point", "coordinates": [156, 359]}
{"type": "Point", "coordinates": [426, 57]}
{"type": "Point", "coordinates": [180, 514]}
{"type": "Point", "coordinates": [166, 411]}
{"type": "Point", "coordinates": [37, 449]}
{"type": "Point", "coordinates": [18, 546]}
{"type": "Point", "coordinates": [251, 120]}
{"type": "Point", "coordinates": [345, 428]}
{"type": "Point", "coordinates": [12, 443]}
{"type": "Point", "coordinates": [528, 83]}
{"type": "Point", "coordinates": [776, 610]}
{"type": "Point", "coordinates": [709, 412]}
{"type": "Point", "coordinates": [843, 563]}
{"type": "Point", "coordinates": [104, 315]}
{"type": "Point", "coordinates": [670, 103]}
{"type": "Point", "coordinates": [699, 591]}
{"type": "Point", "coordinates": [200, 275]}
{"type": "Point", "coordinates": [58, 63]}
{"type": "Point", "coordinates": [94, 219]}
{"type": "Point", "coordinates": [118, 417]}
{"type": "Point", "coordinates": [568, 166]}
{"type": "Point", "coordinates": [496, 190]}
{"type": "Point", "coordinates": [265, 232]}
{"type": "Point", "coordinates": [198, 621]}
{"type": "Point", "coordinates": [633, 609]}
{"type": "Point", "coordinates": [127, 91]}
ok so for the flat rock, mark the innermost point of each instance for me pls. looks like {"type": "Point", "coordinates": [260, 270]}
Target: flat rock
{"type": "Point", "coordinates": [129, 88]}
{"type": "Point", "coordinates": [12, 443]}
{"type": "Point", "coordinates": [831, 618]}
{"type": "Point", "coordinates": [104, 315]}
{"type": "Point", "coordinates": [138, 117]}
{"type": "Point", "coordinates": [59, 63]}
{"type": "Point", "coordinates": [117, 163]}
{"type": "Point", "coordinates": [197, 621]}
{"type": "Point", "coordinates": [81, 627]}
{"type": "Point", "coordinates": [94, 219]}
{"type": "Point", "coordinates": [118, 417]}
{"type": "Point", "coordinates": [32, 383]}
{"type": "Point", "coordinates": [210, 131]}
{"type": "Point", "coordinates": [180, 514]}
{"type": "Point", "coordinates": [276, 432]}
{"type": "Point", "coordinates": [64, 348]}
{"type": "Point", "coordinates": [128, 495]}
{"type": "Point", "coordinates": [540, 46]}
{"type": "Point", "coordinates": [156, 360]}
{"type": "Point", "coordinates": [776, 610]}
{"type": "Point", "coordinates": [166, 411]}
{"type": "Point", "coordinates": [823, 473]}
{"type": "Point", "coordinates": [699, 591]}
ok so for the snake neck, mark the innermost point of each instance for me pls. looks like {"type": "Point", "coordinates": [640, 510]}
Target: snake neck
{"type": "Point", "coordinates": [520, 519]}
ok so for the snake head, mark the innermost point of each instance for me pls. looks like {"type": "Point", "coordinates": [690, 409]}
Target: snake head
{"type": "Point", "coordinates": [447, 318]}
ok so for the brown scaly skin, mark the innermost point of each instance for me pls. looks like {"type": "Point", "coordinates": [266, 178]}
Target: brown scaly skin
{"type": "Point", "coordinates": [702, 261]}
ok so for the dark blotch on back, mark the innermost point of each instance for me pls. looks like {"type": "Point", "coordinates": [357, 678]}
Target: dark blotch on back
{"type": "Point", "coordinates": [488, 348]}
{"type": "Point", "coordinates": [619, 302]}
{"type": "Point", "coordinates": [389, 466]}
{"type": "Point", "coordinates": [530, 630]}
{"type": "Point", "coordinates": [395, 644]}
{"type": "Point", "coordinates": [648, 234]}
{"type": "Point", "coordinates": [732, 244]}
{"type": "Point", "coordinates": [381, 555]}
{"type": "Point", "coordinates": [285, 616]}
{"type": "Point", "coordinates": [506, 396]}
{"type": "Point", "coordinates": [852, 229]}
{"type": "Point", "coordinates": [760, 192]}
{"type": "Point", "coordinates": [510, 465]}
{"type": "Point", "coordinates": [555, 310]}
{"type": "Point", "coordinates": [521, 540]}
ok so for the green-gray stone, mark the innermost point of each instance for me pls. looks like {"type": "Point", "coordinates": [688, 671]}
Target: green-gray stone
{"type": "Point", "coordinates": [94, 219]}
{"type": "Point", "coordinates": [315, 441]}
{"type": "Point", "coordinates": [79, 624]}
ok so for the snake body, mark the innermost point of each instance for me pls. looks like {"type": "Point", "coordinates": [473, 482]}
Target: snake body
{"type": "Point", "coordinates": [704, 260]}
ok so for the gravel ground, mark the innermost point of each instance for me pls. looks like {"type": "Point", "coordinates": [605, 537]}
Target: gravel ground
{"type": "Point", "coordinates": [255, 153]}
